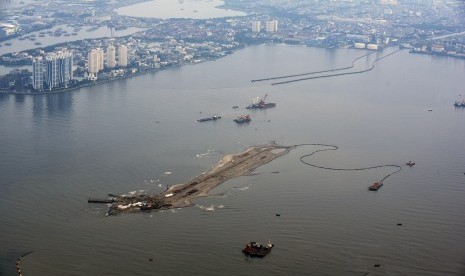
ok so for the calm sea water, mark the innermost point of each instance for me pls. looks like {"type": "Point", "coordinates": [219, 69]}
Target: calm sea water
{"type": "Point", "coordinates": [196, 9]}
{"type": "Point", "coordinates": [57, 150]}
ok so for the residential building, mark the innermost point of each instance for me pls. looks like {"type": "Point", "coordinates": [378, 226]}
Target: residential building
{"type": "Point", "coordinates": [38, 73]}
{"type": "Point", "coordinates": [58, 69]}
{"type": "Point", "coordinates": [271, 26]}
{"type": "Point", "coordinates": [95, 61]}
{"type": "Point", "coordinates": [256, 26]}
{"type": "Point", "coordinates": [122, 56]}
{"type": "Point", "coordinates": [111, 56]}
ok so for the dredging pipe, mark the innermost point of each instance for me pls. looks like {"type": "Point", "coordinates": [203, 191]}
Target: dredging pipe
{"type": "Point", "coordinates": [18, 263]}
{"type": "Point", "coordinates": [339, 74]}
{"type": "Point", "coordinates": [334, 147]}
{"type": "Point", "coordinates": [314, 72]}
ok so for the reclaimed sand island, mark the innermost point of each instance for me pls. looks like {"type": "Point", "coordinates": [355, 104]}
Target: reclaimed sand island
{"type": "Point", "coordinates": [180, 195]}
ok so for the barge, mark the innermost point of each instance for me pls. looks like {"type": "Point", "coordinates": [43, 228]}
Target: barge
{"type": "Point", "coordinates": [375, 186]}
{"type": "Point", "coordinates": [213, 118]}
{"type": "Point", "coordinates": [259, 103]}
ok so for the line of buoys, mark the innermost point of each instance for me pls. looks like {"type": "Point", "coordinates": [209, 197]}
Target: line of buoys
{"type": "Point", "coordinates": [314, 72]}
{"type": "Point", "coordinates": [333, 147]}
{"type": "Point", "coordinates": [18, 262]}
{"type": "Point", "coordinates": [339, 74]}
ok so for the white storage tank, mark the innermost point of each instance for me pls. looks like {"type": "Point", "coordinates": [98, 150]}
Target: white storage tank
{"type": "Point", "coordinates": [372, 47]}
{"type": "Point", "coordinates": [359, 45]}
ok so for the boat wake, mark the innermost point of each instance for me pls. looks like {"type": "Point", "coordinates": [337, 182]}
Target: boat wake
{"type": "Point", "coordinates": [211, 207]}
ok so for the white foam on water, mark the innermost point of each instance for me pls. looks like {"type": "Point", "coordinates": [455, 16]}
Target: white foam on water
{"type": "Point", "coordinates": [210, 208]}
{"type": "Point", "coordinates": [244, 188]}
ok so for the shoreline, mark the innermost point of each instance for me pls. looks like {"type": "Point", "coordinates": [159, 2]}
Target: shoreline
{"type": "Point", "coordinates": [139, 73]}
{"type": "Point", "coordinates": [148, 71]}
{"type": "Point", "coordinates": [181, 195]}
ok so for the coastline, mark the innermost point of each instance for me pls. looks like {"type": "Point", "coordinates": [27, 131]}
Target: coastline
{"type": "Point", "coordinates": [181, 195]}
{"type": "Point", "coordinates": [139, 73]}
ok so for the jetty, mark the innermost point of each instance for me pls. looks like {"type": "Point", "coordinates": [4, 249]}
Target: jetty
{"type": "Point", "coordinates": [180, 195]}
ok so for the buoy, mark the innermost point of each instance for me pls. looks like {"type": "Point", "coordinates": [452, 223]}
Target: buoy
{"type": "Point", "coordinates": [278, 215]}
{"type": "Point", "coordinates": [377, 265]}
{"type": "Point", "coordinates": [150, 259]}
{"type": "Point", "coordinates": [399, 224]}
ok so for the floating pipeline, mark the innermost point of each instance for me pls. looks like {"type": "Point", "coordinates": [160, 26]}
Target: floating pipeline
{"type": "Point", "coordinates": [339, 74]}
{"type": "Point", "coordinates": [19, 260]}
{"type": "Point", "coordinates": [314, 72]}
{"type": "Point", "coordinates": [334, 147]}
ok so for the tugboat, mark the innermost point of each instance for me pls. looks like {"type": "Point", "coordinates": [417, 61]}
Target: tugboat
{"type": "Point", "coordinates": [213, 118]}
{"type": "Point", "coordinates": [254, 249]}
{"type": "Point", "coordinates": [410, 163]}
{"type": "Point", "coordinates": [459, 103]}
{"type": "Point", "coordinates": [259, 103]}
{"type": "Point", "coordinates": [375, 186]}
{"type": "Point", "coordinates": [242, 119]}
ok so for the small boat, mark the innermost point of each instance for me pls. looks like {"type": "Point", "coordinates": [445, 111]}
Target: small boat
{"type": "Point", "coordinates": [213, 118]}
{"type": "Point", "coordinates": [242, 119]}
{"type": "Point", "coordinates": [375, 186]}
{"type": "Point", "coordinates": [410, 163]}
{"type": "Point", "coordinates": [254, 249]}
{"type": "Point", "coordinates": [459, 103]}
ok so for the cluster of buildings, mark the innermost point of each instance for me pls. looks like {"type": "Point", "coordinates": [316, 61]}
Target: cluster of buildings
{"type": "Point", "coordinates": [360, 24]}
{"type": "Point", "coordinates": [96, 59]}
{"type": "Point", "coordinates": [52, 71]}
{"type": "Point", "coordinates": [55, 70]}
{"type": "Point", "coordinates": [271, 26]}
